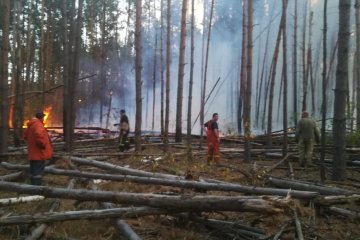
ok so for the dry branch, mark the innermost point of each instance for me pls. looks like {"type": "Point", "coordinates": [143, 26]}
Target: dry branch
{"type": "Point", "coordinates": [123, 170]}
{"type": "Point", "coordinates": [263, 204]}
{"type": "Point", "coordinates": [298, 226]}
{"type": "Point", "coordinates": [300, 185]}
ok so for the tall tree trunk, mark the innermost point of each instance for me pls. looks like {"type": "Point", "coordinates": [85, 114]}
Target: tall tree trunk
{"type": "Point", "coordinates": [66, 57]}
{"type": "Point", "coordinates": [178, 131]}
{"type": "Point", "coordinates": [192, 48]}
{"type": "Point", "coordinates": [154, 79]}
{"type": "Point", "coordinates": [72, 45]}
{"type": "Point", "coordinates": [305, 75]}
{"type": "Point", "coordinates": [42, 55]}
{"type": "Point", "coordinates": [247, 100]}
{"type": "Point", "coordinates": [295, 103]}
{"type": "Point", "coordinates": [243, 64]}
{"type": "Point", "coordinates": [339, 124]}
{"type": "Point", "coordinates": [168, 61]}
{"type": "Point", "coordinates": [138, 82]}
{"type": "Point", "coordinates": [202, 107]}
{"type": "Point", "coordinates": [102, 63]}
{"type": "Point", "coordinates": [357, 16]}
{"type": "Point", "coordinates": [285, 123]}
{"type": "Point", "coordinates": [272, 79]}
{"type": "Point", "coordinates": [18, 83]}
{"type": "Point", "coordinates": [324, 97]}
{"type": "Point", "coordinates": [4, 102]}
{"type": "Point", "coordinates": [162, 81]}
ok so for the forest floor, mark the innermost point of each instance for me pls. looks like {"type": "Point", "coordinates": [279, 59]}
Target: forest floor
{"type": "Point", "coordinates": [316, 222]}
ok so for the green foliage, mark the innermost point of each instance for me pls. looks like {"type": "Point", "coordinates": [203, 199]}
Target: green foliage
{"type": "Point", "coordinates": [353, 139]}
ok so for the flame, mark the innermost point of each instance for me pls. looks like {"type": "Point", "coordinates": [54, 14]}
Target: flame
{"type": "Point", "coordinates": [47, 112]}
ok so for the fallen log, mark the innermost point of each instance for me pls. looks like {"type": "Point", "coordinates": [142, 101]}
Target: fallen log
{"type": "Point", "coordinates": [219, 224]}
{"type": "Point", "coordinates": [301, 185]}
{"type": "Point", "coordinates": [121, 225]}
{"type": "Point", "coordinates": [280, 232]}
{"type": "Point", "coordinates": [11, 176]}
{"type": "Point", "coordinates": [123, 170]}
{"type": "Point", "coordinates": [17, 200]}
{"type": "Point", "coordinates": [78, 215]}
{"type": "Point", "coordinates": [330, 200]}
{"type": "Point", "coordinates": [263, 204]}
{"type": "Point", "coordinates": [298, 226]}
{"type": "Point", "coordinates": [38, 231]}
{"type": "Point", "coordinates": [345, 213]}
{"type": "Point", "coordinates": [204, 186]}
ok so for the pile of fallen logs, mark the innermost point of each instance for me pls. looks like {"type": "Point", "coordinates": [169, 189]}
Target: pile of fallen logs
{"type": "Point", "coordinates": [203, 198]}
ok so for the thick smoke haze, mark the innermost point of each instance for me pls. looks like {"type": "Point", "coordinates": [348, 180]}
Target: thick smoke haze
{"type": "Point", "coordinates": [224, 63]}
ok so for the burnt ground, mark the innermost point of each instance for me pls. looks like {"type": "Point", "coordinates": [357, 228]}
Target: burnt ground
{"type": "Point", "coordinates": [317, 222]}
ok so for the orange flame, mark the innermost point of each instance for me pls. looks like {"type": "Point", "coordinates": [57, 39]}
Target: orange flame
{"type": "Point", "coordinates": [47, 112]}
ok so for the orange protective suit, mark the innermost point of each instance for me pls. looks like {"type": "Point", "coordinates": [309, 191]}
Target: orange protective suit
{"type": "Point", "coordinates": [38, 141]}
{"type": "Point", "coordinates": [212, 142]}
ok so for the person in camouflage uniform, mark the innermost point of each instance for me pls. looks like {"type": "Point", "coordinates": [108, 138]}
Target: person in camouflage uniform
{"type": "Point", "coordinates": [306, 134]}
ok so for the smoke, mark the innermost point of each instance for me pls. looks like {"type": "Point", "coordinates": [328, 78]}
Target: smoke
{"type": "Point", "coordinates": [224, 63]}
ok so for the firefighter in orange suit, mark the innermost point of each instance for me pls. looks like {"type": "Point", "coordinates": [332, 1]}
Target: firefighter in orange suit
{"type": "Point", "coordinates": [213, 139]}
{"type": "Point", "coordinates": [39, 147]}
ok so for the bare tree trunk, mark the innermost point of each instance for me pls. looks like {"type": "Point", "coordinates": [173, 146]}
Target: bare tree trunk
{"type": "Point", "coordinates": [138, 81]}
{"type": "Point", "coordinates": [304, 100]}
{"type": "Point", "coordinates": [357, 16]}
{"type": "Point", "coordinates": [310, 64]}
{"type": "Point", "coordinates": [18, 83]}
{"type": "Point", "coordinates": [192, 48]}
{"type": "Point", "coordinates": [42, 56]}
{"type": "Point", "coordinates": [243, 64]}
{"type": "Point", "coordinates": [66, 57]}
{"type": "Point", "coordinates": [295, 113]}
{"type": "Point", "coordinates": [285, 123]}
{"type": "Point", "coordinates": [154, 78]}
{"type": "Point", "coordinates": [247, 102]}
{"type": "Point", "coordinates": [272, 79]}
{"type": "Point", "coordinates": [71, 67]}
{"type": "Point", "coordinates": [339, 125]}
{"type": "Point", "coordinates": [202, 104]}
{"type": "Point", "coordinates": [261, 204]}
{"type": "Point", "coordinates": [168, 61]}
{"type": "Point", "coordinates": [102, 76]}
{"type": "Point", "coordinates": [4, 102]}
{"type": "Point", "coordinates": [324, 97]}
{"type": "Point", "coordinates": [162, 68]}
{"type": "Point", "coordinates": [178, 131]}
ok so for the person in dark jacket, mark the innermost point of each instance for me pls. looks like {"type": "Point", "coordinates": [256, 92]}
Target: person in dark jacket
{"type": "Point", "coordinates": [124, 131]}
{"type": "Point", "coordinates": [213, 139]}
{"type": "Point", "coordinates": [306, 134]}
{"type": "Point", "coordinates": [39, 147]}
